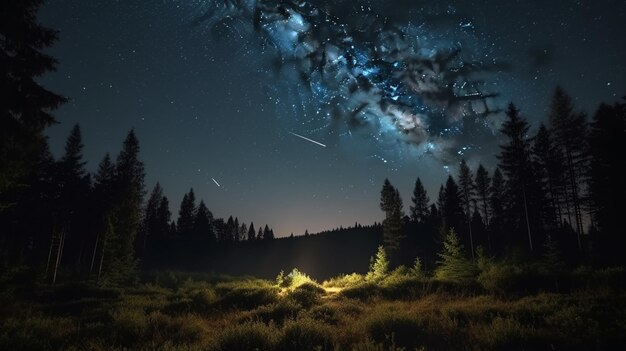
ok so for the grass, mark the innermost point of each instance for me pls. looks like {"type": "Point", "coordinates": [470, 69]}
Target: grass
{"type": "Point", "coordinates": [401, 311]}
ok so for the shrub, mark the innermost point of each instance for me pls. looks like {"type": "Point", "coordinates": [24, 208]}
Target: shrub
{"type": "Point", "coordinates": [306, 294]}
{"type": "Point", "coordinates": [379, 266]}
{"type": "Point", "coordinates": [248, 336]}
{"type": "Point", "coordinates": [453, 265]}
{"type": "Point", "coordinates": [362, 291]}
{"type": "Point", "coordinates": [344, 281]}
{"type": "Point", "coordinates": [383, 327]}
{"type": "Point", "coordinates": [297, 278]}
{"type": "Point", "coordinates": [277, 312]}
{"type": "Point", "coordinates": [305, 334]}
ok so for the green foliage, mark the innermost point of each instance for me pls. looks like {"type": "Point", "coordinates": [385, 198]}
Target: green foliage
{"type": "Point", "coordinates": [552, 260]}
{"type": "Point", "coordinates": [344, 281]}
{"type": "Point", "coordinates": [304, 335]}
{"type": "Point", "coordinates": [399, 328]}
{"type": "Point", "coordinates": [248, 336]}
{"type": "Point", "coordinates": [280, 279]}
{"type": "Point", "coordinates": [453, 265]}
{"type": "Point", "coordinates": [417, 269]}
{"type": "Point", "coordinates": [306, 294]}
{"type": "Point", "coordinates": [379, 267]}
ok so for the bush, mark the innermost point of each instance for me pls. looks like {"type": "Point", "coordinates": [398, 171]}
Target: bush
{"type": "Point", "coordinates": [306, 294]}
{"type": "Point", "coordinates": [453, 265]}
{"type": "Point", "coordinates": [278, 312]}
{"type": "Point", "coordinates": [385, 326]}
{"type": "Point", "coordinates": [379, 266]}
{"type": "Point", "coordinates": [362, 291]}
{"type": "Point", "coordinates": [305, 334]}
{"type": "Point", "coordinates": [344, 281]}
{"type": "Point", "coordinates": [248, 336]}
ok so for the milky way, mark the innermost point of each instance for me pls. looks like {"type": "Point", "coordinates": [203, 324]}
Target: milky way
{"type": "Point", "coordinates": [415, 76]}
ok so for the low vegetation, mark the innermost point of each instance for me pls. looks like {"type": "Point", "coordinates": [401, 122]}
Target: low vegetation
{"type": "Point", "coordinates": [499, 308]}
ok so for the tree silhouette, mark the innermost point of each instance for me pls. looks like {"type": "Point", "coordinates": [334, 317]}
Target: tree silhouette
{"type": "Point", "coordinates": [203, 223]}
{"type": "Point", "coordinates": [186, 214]}
{"type": "Point", "coordinates": [391, 204]}
{"type": "Point", "coordinates": [25, 105]}
{"type": "Point", "coordinates": [515, 162]}
{"type": "Point", "coordinates": [467, 192]}
{"type": "Point", "coordinates": [419, 209]}
{"type": "Point", "coordinates": [570, 131]}
{"type": "Point", "coordinates": [251, 232]}
{"type": "Point", "coordinates": [606, 178]}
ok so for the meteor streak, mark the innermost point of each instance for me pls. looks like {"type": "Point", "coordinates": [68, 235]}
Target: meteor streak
{"type": "Point", "coordinates": [216, 183]}
{"type": "Point", "coordinates": [307, 139]}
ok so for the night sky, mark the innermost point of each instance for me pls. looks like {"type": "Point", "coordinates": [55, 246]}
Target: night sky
{"type": "Point", "coordinates": [222, 92]}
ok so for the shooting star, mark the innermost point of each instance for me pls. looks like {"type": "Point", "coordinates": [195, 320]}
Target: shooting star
{"type": "Point", "coordinates": [307, 139]}
{"type": "Point", "coordinates": [216, 183]}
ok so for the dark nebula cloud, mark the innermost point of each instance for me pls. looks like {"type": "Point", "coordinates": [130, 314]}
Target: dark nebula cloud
{"type": "Point", "coordinates": [413, 75]}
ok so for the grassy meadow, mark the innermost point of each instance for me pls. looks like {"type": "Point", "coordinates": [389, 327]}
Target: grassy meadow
{"type": "Point", "coordinates": [400, 310]}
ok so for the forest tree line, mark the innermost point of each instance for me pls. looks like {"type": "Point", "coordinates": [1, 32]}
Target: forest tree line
{"type": "Point", "coordinates": [564, 184]}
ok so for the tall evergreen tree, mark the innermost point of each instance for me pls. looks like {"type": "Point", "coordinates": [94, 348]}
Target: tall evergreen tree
{"type": "Point", "coordinates": [151, 219]}
{"type": "Point", "coordinates": [251, 232]}
{"type": "Point", "coordinates": [516, 163]}
{"type": "Point", "coordinates": [550, 174]}
{"type": "Point", "coordinates": [467, 192]}
{"type": "Point", "coordinates": [497, 204]}
{"type": "Point", "coordinates": [419, 209]}
{"type": "Point", "coordinates": [570, 132]}
{"type": "Point", "coordinates": [236, 229]}
{"type": "Point", "coordinates": [243, 231]}
{"type": "Point", "coordinates": [483, 182]}
{"type": "Point", "coordinates": [451, 209]}
{"type": "Point", "coordinates": [259, 235]}
{"type": "Point", "coordinates": [127, 218]}
{"type": "Point", "coordinates": [266, 233]}
{"type": "Point", "coordinates": [391, 205]}
{"type": "Point", "coordinates": [186, 214]}
{"type": "Point", "coordinates": [203, 223]}
{"type": "Point", "coordinates": [606, 178]}
{"type": "Point", "coordinates": [25, 104]}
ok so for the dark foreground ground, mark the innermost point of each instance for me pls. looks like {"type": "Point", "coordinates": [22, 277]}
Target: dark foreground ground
{"type": "Point", "coordinates": [583, 310]}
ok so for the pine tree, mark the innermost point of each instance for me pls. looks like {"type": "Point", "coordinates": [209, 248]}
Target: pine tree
{"type": "Point", "coordinates": [236, 228]}
{"type": "Point", "coordinates": [266, 233]}
{"type": "Point", "coordinates": [74, 188]}
{"type": "Point", "coordinates": [202, 224]}
{"type": "Point", "coordinates": [260, 235]}
{"type": "Point", "coordinates": [379, 266]}
{"type": "Point", "coordinates": [570, 132]}
{"type": "Point", "coordinates": [243, 231]}
{"type": "Point", "coordinates": [251, 232]}
{"type": "Point", "coordinates": [391, 204]}
{"type": "Point", "coordinates": [419, 209]}
{"type": "Point", "coordinates": [515, 162]}
{"type": "Point", "coordinates": [467, 192]}
{"type": "Point", "coordinates": [186, 214]}
{"type": "Point", "coordinates": [453, 265]}
{"type": "Point", "coordinates": [104, 198]}
{"type": "Point", "coordinates": [606, 179]}
{"type": "Point", "coordinates": [451, 209]}
{"type": "Point", "coordinates": [483, 183]}
{"type": "Point", "coordinates": [230, 230]}
{"type": "Point", "coordinates": [151, 223]}
{"type": "Point", "coordinates": [25, 104]}
{"type": "Point", "coordinates": [550, 174]}
{"type": "Point", "coordinates": [128, 216]}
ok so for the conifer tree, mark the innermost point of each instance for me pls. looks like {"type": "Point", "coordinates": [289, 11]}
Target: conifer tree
{"type": "Point", "coordinates": [550, 174]}
{"type": "Point", "coordinates": [391, 205]}
{"type": "Point", "coordinates": [453, 265]}
{"type": "Point", "coordinates": [516, 163]}
{"type": "Point", "coordinates": [467, 192]}
{"type": "Point", "coordinates": [25, 105]}
{"type": "Point", "coordinates": [419, 209]}
{"type": "Point", "coordinates": [236, 229]}
{"type": "Point", "coordinates": [260, 235]}
{"type": "Point", "coordinates": [202, 224]}
{"type": "Point", "coordinates": [127, 215]}
{"type": "Point", "coordinates": [451, 209]}
{"type": "Point", "coordinates": [483, 182]}
{"type": "Point", "coordinates": [570, 132]}
{"type": "Point", "coordinates": [606, 179]}
{"type": "Point", "coordinates": [266, 233]}
{"type": "Point", "coordinates": [243, 231]}
{"type": "Point", "coordinates": [251, 232]}
{"type": "Point", "coordinates": [186, 214]}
